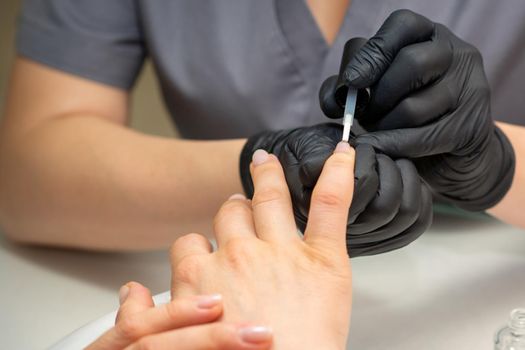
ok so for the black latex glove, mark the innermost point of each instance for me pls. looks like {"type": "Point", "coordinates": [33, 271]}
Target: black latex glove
{"type": "Point", "coordinates": [430, 101]}
{"type": "Point", "coordinates": [391, 207]}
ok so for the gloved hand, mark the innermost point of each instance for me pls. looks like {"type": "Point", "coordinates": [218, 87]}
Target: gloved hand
{"type": "Point", "coordinates": [391, 207]}
{"type": "Point", "coordinates": [430, 101]}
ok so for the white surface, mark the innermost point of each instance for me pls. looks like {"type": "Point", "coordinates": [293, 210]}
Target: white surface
{"type": "Point", "coordinates": [452, 289]}
{"type": "Point", "coordinates": [87, 334]}
{"type": "Point", "coordinates": [45, 294]}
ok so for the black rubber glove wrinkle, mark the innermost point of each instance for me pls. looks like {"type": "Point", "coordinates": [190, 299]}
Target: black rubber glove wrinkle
{"type": "Point", "coordinates": [430, 101]}
{"type": "Point", "coordinates": [411, 205]}
{"type": "Point", "coordinates": [401, 240]}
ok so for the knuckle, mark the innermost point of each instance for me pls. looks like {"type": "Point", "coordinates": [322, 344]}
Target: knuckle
{"type": "Point", "coordinates": [173, 310]}
{"type": "Point", "coordinates": [128, 328]}
{"type": "Point", "coordinates": [239, 252]}
{"type": "Point", "coordinates": [187, 270]}
{"type": "Point", "coordinates": [220, 335]}
{"type": "Point", "coordinates": [413, 58]}
{"type": "Point", "coordinates": [407, 17]}
{"type": "Point", "coordinates": [411, 211]}
{"type": "Point", "coordinates": [378, 208]}
{"type": "Point", "coordinates": [409, 110]}
{"type": "Point", "coordinates": [339, 160]}
{"type": "Point", "coordinates": [267, 195]}
{"type": "Point", "coordinates": [317, 260]}
{"type": "Point", "coordinates": [386, 207]}
{"type": "Point", "coordinates": [190, 239]}
{"type": "Point", "coordinates": [407, 170]}
{"type": "Point", "coordinates": [328, 199]}
{"type": "Point", "coordinates": [229, 209]}
{"type": "Point", "coordinates": [268, 168]}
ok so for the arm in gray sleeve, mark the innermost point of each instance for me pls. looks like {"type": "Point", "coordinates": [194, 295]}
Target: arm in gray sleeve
{"type": "Point", "coordinates": [95, 39]}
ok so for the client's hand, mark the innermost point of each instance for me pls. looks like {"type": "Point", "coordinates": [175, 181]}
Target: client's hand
{"type": "Point", "coordinates": [183, 323]}
{"type": "Point", "coordinates": [267, 273]}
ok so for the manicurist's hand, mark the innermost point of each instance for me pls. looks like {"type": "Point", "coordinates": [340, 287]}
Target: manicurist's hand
{"type": "Point", "coordinates": [298, 288]}
{"type": "Point", "coordinates": [430, 101]}
{"type": "Point", "coordinates": [391, 206]}
{"type": "Point", "coordinates": [185, 324]}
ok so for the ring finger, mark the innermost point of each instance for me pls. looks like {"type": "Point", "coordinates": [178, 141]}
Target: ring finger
{"type": "Point", "coordinates": [234, 220]}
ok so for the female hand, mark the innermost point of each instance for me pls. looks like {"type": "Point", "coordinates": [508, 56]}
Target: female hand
{"type": "Point", "coordinates": [184, 323]}
{"type": "Point", "coordinates": [300, 287]}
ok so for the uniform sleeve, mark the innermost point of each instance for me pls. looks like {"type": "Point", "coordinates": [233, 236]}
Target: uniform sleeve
{"type": "Point", "coordinates": [99, 40]}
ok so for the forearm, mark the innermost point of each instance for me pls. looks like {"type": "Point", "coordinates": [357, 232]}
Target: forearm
{"type": "Point", "coordinates": [510, 208]}
{"type": "Point", "coordinates": [81, 181]}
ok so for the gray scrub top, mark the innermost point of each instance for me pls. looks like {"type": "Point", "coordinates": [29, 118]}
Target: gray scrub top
{"type": "Point", "coordinates": [231, 68]}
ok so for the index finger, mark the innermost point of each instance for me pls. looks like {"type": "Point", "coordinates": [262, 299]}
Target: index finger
{"type": "Point", "coordinates": [331, 201]}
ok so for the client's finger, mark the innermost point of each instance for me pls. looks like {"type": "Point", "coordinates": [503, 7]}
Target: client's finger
{"type": "Point", "coordinates": [271, 202]}
{"type": "Point", "coordinates": [213, 336]}
{"type": "Point", "coordinates": [187, 245]}
{"type": "Point", "coordinates": [182, 312]}
{"type": "Point", "coordinates": [234, 220]}
{"type": "Point", "coordinates": [331, 199]}
{"type": "Point", "coordinates": [133, 298]}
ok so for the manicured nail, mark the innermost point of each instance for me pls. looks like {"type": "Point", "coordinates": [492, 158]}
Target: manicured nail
{"type": "Point", "coordinates": [208, 301]}
{"type": "Point", "coordinates": [123, 294]}
{"type": "Point", "coordinates": [237, 196]}
{"type": "Point", "coordinates": [260, 156]}
{"type": "Point", "coordinates": [342, 147]}
{"type": "Point", "coordinates": [255, 334]}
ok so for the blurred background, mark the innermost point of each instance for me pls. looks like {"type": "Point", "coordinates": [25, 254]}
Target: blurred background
{"type": "Point", "coordinates": [60, 275]}
{"type": "Point", "coordinates": [148, 112]}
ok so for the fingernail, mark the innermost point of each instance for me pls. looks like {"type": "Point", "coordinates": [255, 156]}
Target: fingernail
{"type": "Point", "coordinates": [342, 147]}
{"type": "Point", "coordinates": [255, 334]}
{"type": "Point", "coordinates": [123, 294]}
{"type": "Point", "coordinates": [260, 156]}
{"type": "Point", "coordinates": [208, 301]}
{"type": "Point", "coordinates": [237, 196]}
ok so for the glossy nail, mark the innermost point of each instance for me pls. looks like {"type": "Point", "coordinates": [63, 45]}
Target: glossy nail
{"type": "Point", "coordinates": [342, 147]}
{"type": "Point", "coordinates": [123, 294]}
{"type": "Point", "coordinates": [255, 334]}
{"type": "Point", "coordinates": [237, 196]}
{"type": "Point", "coordinates": [259, 157]}
{"type": "Point", "coordinates": [209, 301]}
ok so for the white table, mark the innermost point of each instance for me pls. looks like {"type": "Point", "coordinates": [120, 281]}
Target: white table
{"type": "Point", "coordinates": [451, 289]}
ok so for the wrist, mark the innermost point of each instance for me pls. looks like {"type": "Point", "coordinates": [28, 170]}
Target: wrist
{"type": "Point", "coordinates": [500, 164]}
{"type": "Point", "coordinates": [480, 179]}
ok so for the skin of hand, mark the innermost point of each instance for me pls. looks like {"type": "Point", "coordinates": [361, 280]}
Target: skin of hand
{"type": "Point", "coordinates": [268, 273]}
{"type": "Point", "coordinates": [391, 206]}
{"type": "Point", "coordinates": [72, 173]}
{"type": "Point", "coordinates": [187, 322]}
{"type": "Point", "coordinates": [510, 208]}
{"type": "Point", "coordinates": [430, 102]}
